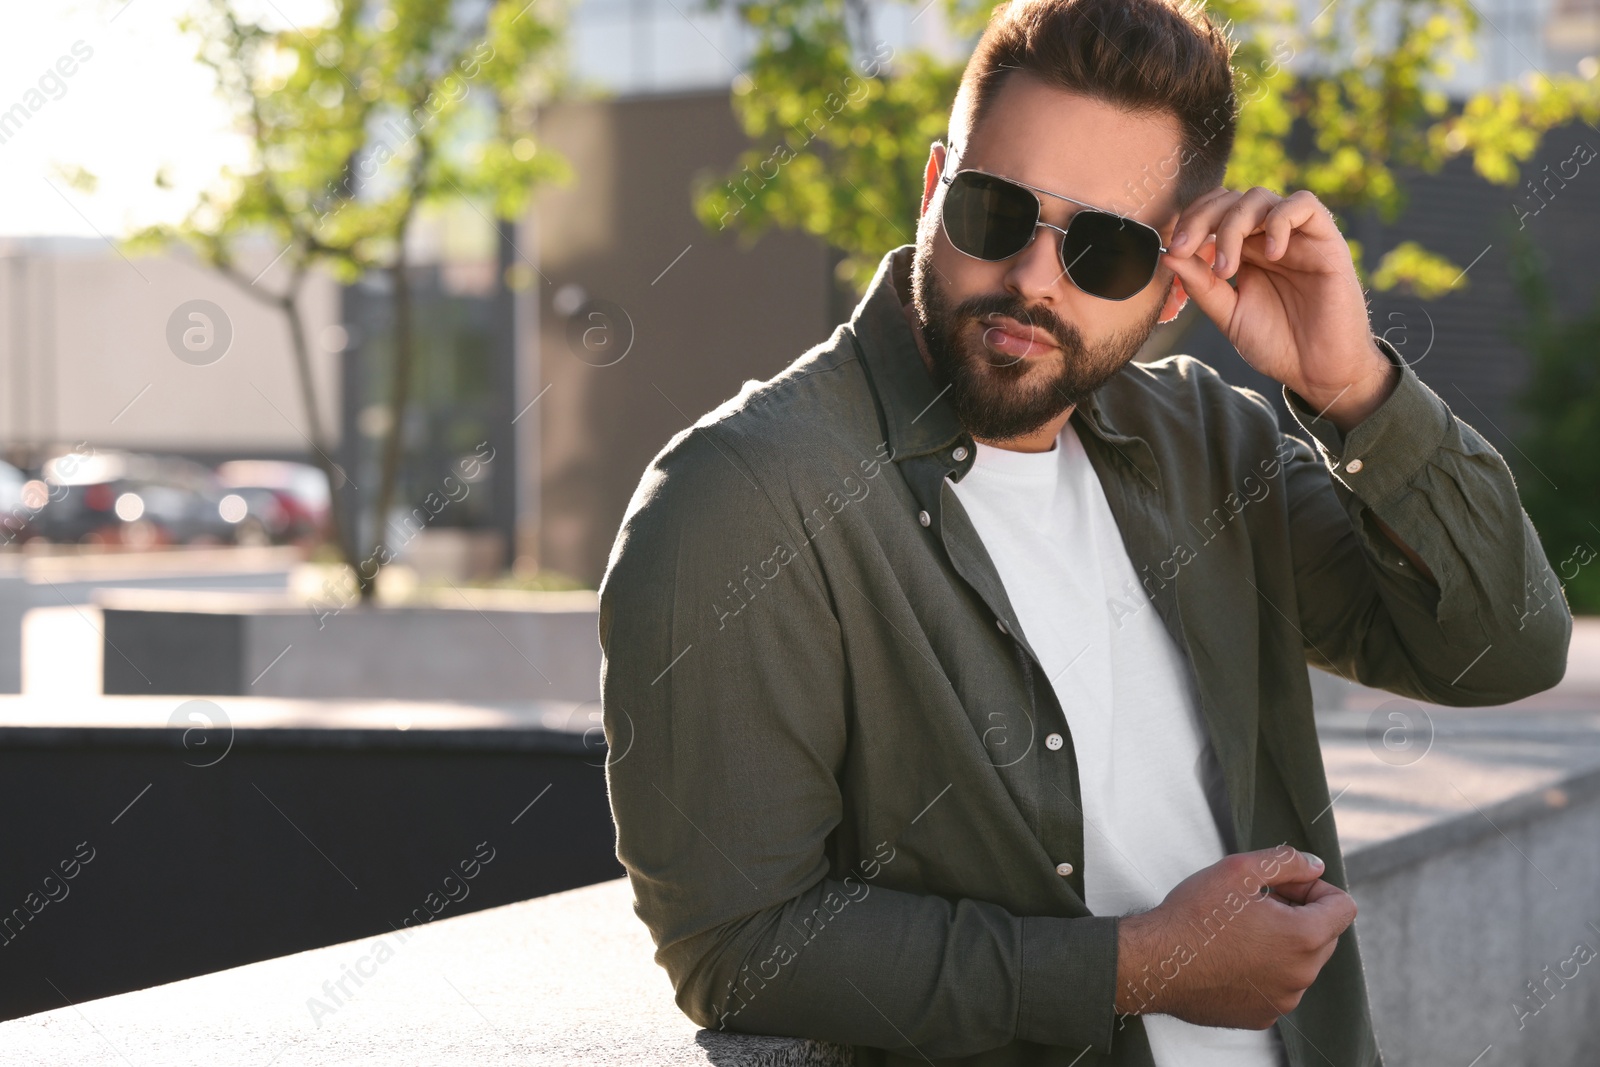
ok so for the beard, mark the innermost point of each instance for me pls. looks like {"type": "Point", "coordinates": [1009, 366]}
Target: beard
{"type": "Point", "coordinates": [997, 397]}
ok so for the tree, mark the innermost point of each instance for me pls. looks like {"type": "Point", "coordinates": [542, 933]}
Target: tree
{"type": "Point", "coordinates": [1559, 477]}
{"type": "Point", "coordinates": [849, 136]}
{"type": "Point", "coordinates": [354, 126]}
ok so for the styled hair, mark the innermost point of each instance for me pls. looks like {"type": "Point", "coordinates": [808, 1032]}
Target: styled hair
{"type": "Point", "coordinates": [1144, 56]}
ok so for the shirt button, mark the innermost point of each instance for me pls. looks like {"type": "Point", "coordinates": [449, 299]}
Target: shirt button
{"type": "Point", "coordinates": [1354, 466]}
{"type": "Point", "coordinates": [922, 517]}
{"type": "Point", "coordinates": [1053, 742]}
{"type": "Point", "coordinates": [1064, 869]}
{"type": "Point", "coordinates": [959, 454]}
{"type": "Point", "coordinates": [1003, 627]}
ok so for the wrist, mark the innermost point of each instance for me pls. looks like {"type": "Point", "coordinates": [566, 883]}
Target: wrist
{"type": "Point", "coordinates": [1345, 404]}
{"type": "Point", "coordinates": [1139, 986]}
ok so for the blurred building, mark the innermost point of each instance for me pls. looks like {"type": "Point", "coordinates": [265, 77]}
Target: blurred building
{"type": "Point", "coordinates": [85, 354]}
{"type": "Point", "coordinates": [573, 345]}
{"type": "Point", "coordinates": [620, 250]}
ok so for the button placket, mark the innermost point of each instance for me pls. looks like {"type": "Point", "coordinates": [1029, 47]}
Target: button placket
{"type": "Point", "coordinates": [1060, 827]}
{"type": "Point", "coordinates": [1058, 832]}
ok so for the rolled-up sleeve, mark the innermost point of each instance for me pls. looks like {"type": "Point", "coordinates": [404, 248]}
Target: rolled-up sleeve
{"type": "Point", "coordinates": [1491, 627]}
{"type": "Point", "coordinates": [726, 695]}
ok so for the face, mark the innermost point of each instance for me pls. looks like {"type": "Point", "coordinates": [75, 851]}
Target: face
{"type": "Point", "coordinates": [1016, 341]}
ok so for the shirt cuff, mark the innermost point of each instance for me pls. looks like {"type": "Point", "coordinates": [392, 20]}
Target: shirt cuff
{"type": "Point", "coordinates": [1069, 981]}
{"type": "Point", "coordinates": [1379, 457]}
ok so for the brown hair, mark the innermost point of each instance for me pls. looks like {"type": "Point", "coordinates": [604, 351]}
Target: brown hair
{"type": "Point", "coordinates": [1141, 55]}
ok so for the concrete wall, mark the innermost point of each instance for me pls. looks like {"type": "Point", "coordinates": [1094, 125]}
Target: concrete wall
{"type": "Point", "coordinates": [207, 857]}
{"type": "Point", "coordinates": [1453, 929]}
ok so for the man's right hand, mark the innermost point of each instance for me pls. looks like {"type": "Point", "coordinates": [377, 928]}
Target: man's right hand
{"type": "Point", "coordinates": [1217, 952]}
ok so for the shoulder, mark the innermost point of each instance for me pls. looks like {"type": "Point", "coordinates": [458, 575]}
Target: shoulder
{"type": "Point", "coordinates": [1203, 429]}
{"type": "Point", "coordinates": [733, 474]}
{"type": "Point", "coordinates": [1183, 386]}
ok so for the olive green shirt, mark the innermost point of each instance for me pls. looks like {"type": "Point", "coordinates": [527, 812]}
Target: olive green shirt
{"type": "Point", "coordinates": [822, 711]}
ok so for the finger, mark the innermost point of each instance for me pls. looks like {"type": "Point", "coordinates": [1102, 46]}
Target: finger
{"type": "Point", "coordinates": [1300, 211]}
{"type": "Point", "coordinates": [1242, 218]}
{"type": "Point", "coordinates": [1292, 892]}
{"type": "Point", "coordinates": [1214, 296]}
{"type": "Point", "coordinates": [1322, 890]}
{"type": "Point", "coordinates": [1332, 907]}
{"type": "Point", "coordinates": [1253, 249]}
{"type": "Point", "coordinates": [1198, 219]}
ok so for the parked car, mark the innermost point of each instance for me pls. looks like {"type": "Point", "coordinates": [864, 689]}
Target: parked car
{"type": "Point", "coordinates": [132, 499]}
{"type": "Point", "coordinates": [285, 502]}
{"type": "Point", "coordinates": [15, 518]}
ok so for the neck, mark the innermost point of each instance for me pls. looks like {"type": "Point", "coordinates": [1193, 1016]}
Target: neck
{"type": "Point", "coordinates": [1041, 440]}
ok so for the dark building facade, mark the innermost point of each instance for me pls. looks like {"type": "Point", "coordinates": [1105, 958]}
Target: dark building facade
{"type": "Point", "coordinates": [647, 319]}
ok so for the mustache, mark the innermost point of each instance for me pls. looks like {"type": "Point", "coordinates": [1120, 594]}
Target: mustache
{"type": "Point", "coordinates": [1011, 305]}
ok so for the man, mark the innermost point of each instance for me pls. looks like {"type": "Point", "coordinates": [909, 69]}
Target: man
{"type": "Point", "coordinates": [955, 677]}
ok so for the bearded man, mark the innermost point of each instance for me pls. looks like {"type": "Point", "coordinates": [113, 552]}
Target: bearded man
{"type": "Point", "coordinates": [956, 676]}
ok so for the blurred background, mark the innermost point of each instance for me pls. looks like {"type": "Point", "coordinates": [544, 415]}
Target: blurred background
{"type": "Point", "coordinates": [336, 334]}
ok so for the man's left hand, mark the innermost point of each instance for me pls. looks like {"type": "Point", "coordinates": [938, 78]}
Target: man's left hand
{"type": "Point", "coordinates": [1298, 314]}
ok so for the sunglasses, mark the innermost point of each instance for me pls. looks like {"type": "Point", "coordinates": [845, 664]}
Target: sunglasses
{"type": "Point", "coordinates": [992, 218]}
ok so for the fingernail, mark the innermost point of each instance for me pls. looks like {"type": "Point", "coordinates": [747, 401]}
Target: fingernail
{"type": "Point", "coordinates": [1316, 861]}
{"type": "Point", "coordinates": [1180, 240]}
{"type": "Point", "coordinates": [1221, 263]}
{"type": "Point", "coordinates": [1271, 246]}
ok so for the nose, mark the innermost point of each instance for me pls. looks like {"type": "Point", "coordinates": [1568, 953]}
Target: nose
{"type": "Point", "coordinates": [1035, 273]}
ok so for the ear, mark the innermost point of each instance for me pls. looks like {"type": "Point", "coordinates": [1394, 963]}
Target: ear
{"type": "Point", "coordinates": [930, 175]}
{"type": "Point", "coordinates": [1176, 296]}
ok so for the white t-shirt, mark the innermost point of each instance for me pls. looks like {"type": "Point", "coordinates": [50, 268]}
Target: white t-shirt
{"type": "Point", "coordinates": [1144, 755]}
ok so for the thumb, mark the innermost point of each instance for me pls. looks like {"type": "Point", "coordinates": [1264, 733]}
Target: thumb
{"type": "Point", "coordinates": [1285, 866]}
{"type": "Point", "coordinates": [1213, 295]}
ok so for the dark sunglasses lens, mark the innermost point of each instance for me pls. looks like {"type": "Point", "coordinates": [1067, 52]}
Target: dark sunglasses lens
{"type": "Point", "coordinates": [1109, 257]}
{"type": "Point", "coordinates": [988, 217]}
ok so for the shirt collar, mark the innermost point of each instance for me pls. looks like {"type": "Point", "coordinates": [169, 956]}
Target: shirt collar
{"type": "Point", "coordinates": [917, 412]}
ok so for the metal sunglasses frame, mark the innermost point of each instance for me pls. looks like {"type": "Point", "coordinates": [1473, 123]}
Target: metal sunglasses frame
{"type": "Point", "coordinates": [947, 179]}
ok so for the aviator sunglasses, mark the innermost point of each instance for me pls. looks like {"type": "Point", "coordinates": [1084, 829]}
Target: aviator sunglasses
{"type": "Point", "coordinates": [992, 218]}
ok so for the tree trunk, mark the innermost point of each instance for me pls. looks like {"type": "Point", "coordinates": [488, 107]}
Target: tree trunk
{"type": "Point", "coordinates": [399, 399]}
{"type": "Point", "coordinates": [319, 444]}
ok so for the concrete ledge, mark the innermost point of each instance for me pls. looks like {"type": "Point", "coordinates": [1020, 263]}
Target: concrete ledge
{"type": "Point", "coordinates": [1487, 771]}
{"type": "Point", "coordinates": [177, 723]}
{"type": "Point", "coordinates": [32, 580]}
{"type": "Point", "coordinates": [474, 647]}
{"type": "Point", "coordinates": [563, 979]}
{"type": "Point", "coordinates": [748, 1050]}
{"type": "Point", "coordinates": [1448, 856]}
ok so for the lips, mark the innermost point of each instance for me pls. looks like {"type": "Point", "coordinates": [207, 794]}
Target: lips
{"type": "Point", "coordinates": [1006, 334]}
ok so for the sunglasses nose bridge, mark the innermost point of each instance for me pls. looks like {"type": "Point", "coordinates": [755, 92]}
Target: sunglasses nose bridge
{"type": "Point", "coordinates": [1057, 236]}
